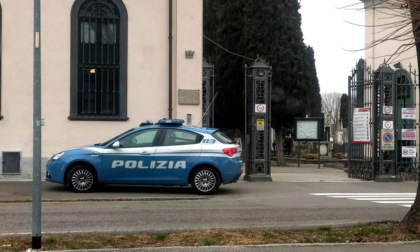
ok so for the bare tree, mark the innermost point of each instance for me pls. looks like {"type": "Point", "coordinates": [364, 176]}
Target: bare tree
{"type": "Point", "coordinates": [411, 221]}
{"type": "Point", "coordinates": [331, 105]}
{"type": "Point", "coordinates": [400, 24]}
{"type": "Point", "coordinates": [396, 26]}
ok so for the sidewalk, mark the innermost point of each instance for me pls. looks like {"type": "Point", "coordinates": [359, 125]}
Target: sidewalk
{"type": "Point", "coordinates": [291, 173]}
{"type": "Point", "coordinates": [309, 173]}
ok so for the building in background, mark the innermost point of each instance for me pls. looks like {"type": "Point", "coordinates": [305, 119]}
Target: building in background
{"type": "Point", "coordinates": [377, 16]}
{"type": "Point", "coordinates": [106, 65]}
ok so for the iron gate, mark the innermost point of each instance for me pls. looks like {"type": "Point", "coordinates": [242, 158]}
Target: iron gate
{"type": "Point", "coordinates": [383, 123]}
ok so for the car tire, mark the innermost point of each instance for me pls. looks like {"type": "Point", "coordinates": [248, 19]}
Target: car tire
{"type": "Point", "coordinates": [205, 180]}
{"type": "Point", "coordinates": [81, 178]}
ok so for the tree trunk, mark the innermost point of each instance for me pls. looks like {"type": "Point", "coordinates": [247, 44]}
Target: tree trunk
{"type": "Point", "coordinates": [411, 221]}
{"type": "Point", "coordinates": [281, 160]}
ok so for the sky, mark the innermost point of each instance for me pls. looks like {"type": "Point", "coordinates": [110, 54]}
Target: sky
{"type": "Point", "coordinates": [337, 44]}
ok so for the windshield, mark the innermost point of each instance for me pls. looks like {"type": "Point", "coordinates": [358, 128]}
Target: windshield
{"type": "Point", "coordinates": [221, 137]}
{"type": "Point", "coordinates": [113, 139]}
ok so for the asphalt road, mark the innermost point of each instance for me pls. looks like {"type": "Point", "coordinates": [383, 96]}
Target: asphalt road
{"type": "Point", "coordinates": [286, 203]}
{"type": "Point", "coordinates": [280, 204]}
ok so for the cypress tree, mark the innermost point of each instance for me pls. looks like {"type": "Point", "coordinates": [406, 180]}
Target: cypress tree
{"type": "Point", "coordinates": [315, 101]}
{"type": "Point", "coordinates": [344, 110]}
{"type": "Point", "coordinates": [227, 28]}
{"type": "Point", "coordinates": [271, 29]}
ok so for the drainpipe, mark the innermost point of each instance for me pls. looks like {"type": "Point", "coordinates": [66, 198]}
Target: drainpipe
{"type": "Point", "coordinates": [170, 59]}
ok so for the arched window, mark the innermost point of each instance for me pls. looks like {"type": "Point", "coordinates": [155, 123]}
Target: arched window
{"type": "Point", "coordinates": [98, 78]}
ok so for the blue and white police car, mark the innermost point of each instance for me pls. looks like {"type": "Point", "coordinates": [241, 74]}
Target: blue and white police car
{"type": "Point", "coordinates": [166, 153]}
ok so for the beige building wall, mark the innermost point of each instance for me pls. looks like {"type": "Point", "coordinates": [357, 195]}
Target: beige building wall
{"type": "Point", "coordinates": [147, 74]}
{"type": "Point", "coordinates": [184, 27]}
{"type": "Point", "coordinates": [376, 18]}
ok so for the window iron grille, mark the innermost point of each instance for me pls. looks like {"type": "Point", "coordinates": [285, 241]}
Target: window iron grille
{"type": "Point", "coordinates": [98, 89]}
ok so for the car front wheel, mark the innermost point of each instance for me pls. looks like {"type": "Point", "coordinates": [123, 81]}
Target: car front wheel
{"type": "Point", "coordinates": [205, 180]}
{"type": "Point", "coordinates": [81, 179]}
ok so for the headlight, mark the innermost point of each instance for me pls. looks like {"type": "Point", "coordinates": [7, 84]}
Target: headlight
{"type": "Point", "coordinates": [56, 156]}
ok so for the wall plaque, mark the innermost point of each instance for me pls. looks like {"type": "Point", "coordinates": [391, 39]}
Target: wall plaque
{"type": "Point", "coordinates": [188, 97]}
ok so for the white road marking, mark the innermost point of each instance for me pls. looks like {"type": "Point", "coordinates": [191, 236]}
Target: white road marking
{"type": "Point", "coordinates": [401, 199]}
{"type": "Point", "coordinates": [364, 194]}
{"type": "Point", "coordinates": [382, 199]}
{"type": "Point", "coordinates": [395, 202]}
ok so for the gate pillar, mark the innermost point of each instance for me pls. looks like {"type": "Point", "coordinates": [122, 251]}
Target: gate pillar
{"type": "Point", "coordinates": [258, 122]}
{"type": "Point", "coordinates": [384, 140]}
{"type": "Point", "coordinates": [208, 94]}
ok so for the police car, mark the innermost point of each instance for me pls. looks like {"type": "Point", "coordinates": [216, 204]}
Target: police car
{"type": "Point", "coordinates": [166, 153]}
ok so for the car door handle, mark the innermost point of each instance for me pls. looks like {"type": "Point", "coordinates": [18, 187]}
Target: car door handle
{"type": "Point", "coordinates": [145, 153]}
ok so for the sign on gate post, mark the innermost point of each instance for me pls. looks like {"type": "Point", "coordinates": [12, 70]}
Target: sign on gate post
{"type": "Point", "coordinates": [408, 134]}
{"type": "Point", "coordinates": [408, 113]}
{"type": "Point", "coordinates": [260, 124]}
{"type": "Point", "coordinates": [361, 128]}
{"type": "Point", "coordinates": [260, 108]}
{"type": "Point", "coordinates": [387, 110]}
{"type": "Point", "coordinates": [409, 152]}
{"type": "Point", "coordinates": [388, 125]}
{"type": "Point", "coordinates": [387, 140]}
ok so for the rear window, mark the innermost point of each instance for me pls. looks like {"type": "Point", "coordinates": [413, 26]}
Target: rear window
{"type": "Point", "coordinates": [221, 137]}
{"type": "Point", "coordinates": [180, 137]}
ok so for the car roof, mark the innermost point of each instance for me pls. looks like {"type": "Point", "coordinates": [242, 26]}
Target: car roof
{"type": "Point", "coordinates": [182, 127]}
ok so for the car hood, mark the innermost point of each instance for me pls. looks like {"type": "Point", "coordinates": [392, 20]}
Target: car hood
{"type": "Point", "coordinates": [84, 150]}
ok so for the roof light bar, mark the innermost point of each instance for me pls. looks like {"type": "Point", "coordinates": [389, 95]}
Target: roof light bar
{"type": "Point", "coordinates": [171, 121]}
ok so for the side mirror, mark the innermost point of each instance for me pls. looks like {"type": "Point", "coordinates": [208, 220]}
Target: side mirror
{"type": "Point", "coordinates": [116, 144]}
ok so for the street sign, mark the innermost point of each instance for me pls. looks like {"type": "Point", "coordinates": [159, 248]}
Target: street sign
{"type": "Point", "coordinates": [260, 124]}
{"type": "Point", "coordinates": [408, 134]}
{"type": "Point", "coordinates": [361, 128]}
{"type": "Point", "coordinates": [387, 139]}
{"type": "Point", "coordinates": [387, 110]}
{"type": "Point", "coordinates": [388, 125]}
{"type": "Point", "coordinates": [408, 151]}
{"type": "Point", "coordinates": [408, 113]}
{"type": "Point", "coordinates": [260, 108]}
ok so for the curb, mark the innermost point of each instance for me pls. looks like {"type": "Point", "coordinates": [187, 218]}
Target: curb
{"type": "Point", "coordinates": [239, 246]}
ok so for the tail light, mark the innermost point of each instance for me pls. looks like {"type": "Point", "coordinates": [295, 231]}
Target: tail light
{"type": "Point", "coordinates": [230, 151]}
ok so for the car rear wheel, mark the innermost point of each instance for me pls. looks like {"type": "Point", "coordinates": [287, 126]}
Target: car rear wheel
{"type": "Point", "coordinates": [81, 179]}
{"type": "Point", "coordinates": [205, 180]}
